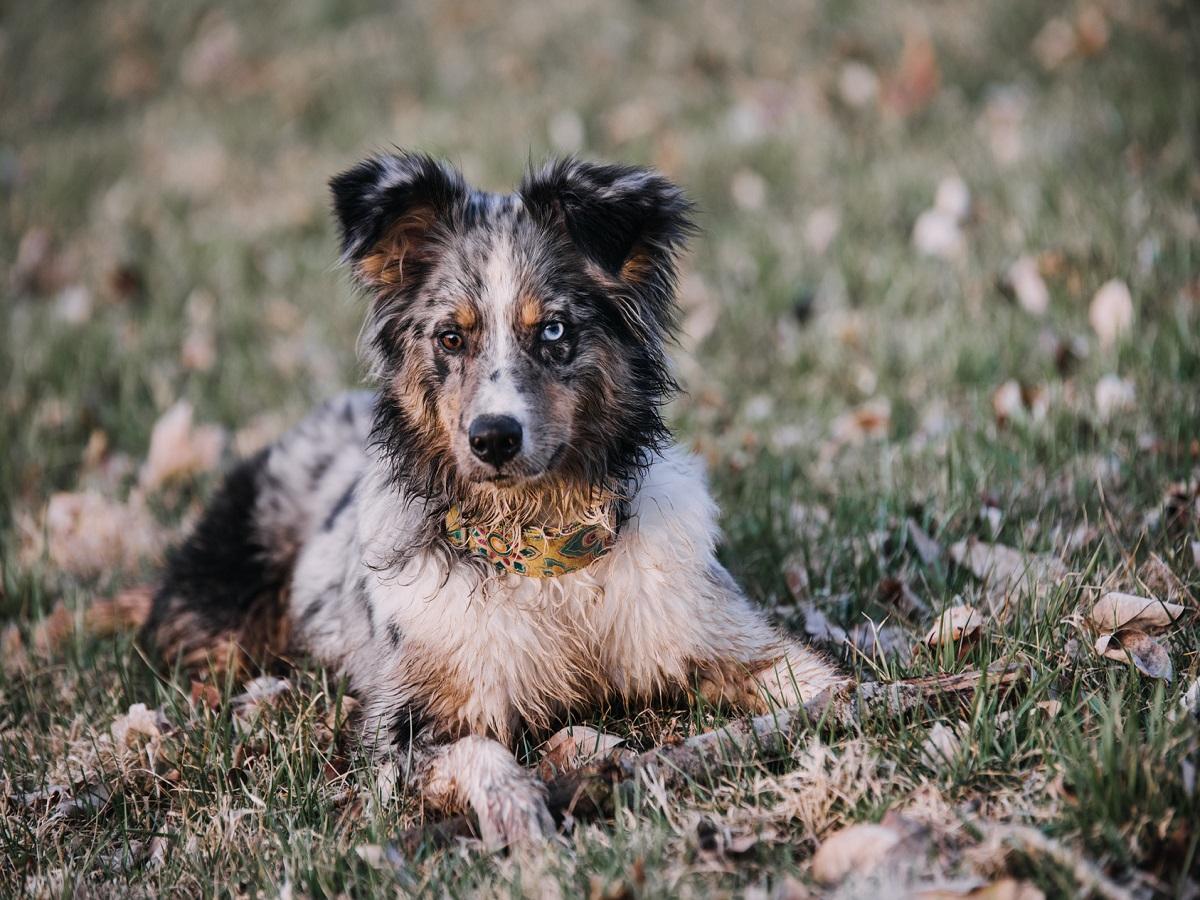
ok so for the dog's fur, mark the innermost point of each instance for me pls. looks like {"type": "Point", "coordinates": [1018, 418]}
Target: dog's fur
{"type": "Point", "coordinates": [333, 541]}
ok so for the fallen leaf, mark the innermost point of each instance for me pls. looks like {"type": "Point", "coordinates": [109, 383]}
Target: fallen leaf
{"type": "Point", "coordinates": [137, 726]}
{"type": "Point", "coordinates": [880, 640]}
{"type": "Point", "coordinates": [1027, 286]}
{"type": "Point", "coordinates": [1114, 395]}
{"type": "Point", "coordinates": [927, 548]}
{"type": "Point", "coordinates": [856, 848]}
{"type": "Point", "coordinates": [821, 227]}
{"type": "Point", "coordinates": [1004, 889]}
{"type": "Point", "coordinates": [796, 576]}
{"type": "Point", "coordinates": [941, 745]}
{"type": "Point", "coordinates": [936, 233]}
{"type": "Point", "coordinates": [858, 84]}
{"type": "Point", "coordinates": [1116, 610]}
{"type": "Point", "coordinates": [573, 747]}
{"type": "Point", "coordinates": [1161, 581]}
{"type": "Point", "coordinates": [1091, 30]}
{"type": "Point", "coordinates": [1189, 703]}
{"type": "Point", "coordinates": [178, 448]}
{"type": "Point", "coordinates": [896, 593]}
{"type": "Point", "coordinates": [1111, 312]}
{"type": "Point", "coordinates": [917, 78]}
{"type": "Point", "coordinates": [1054, 44]}
{"type": "Point", "coordinates": [818, 627]}
{"type": "Point", "coordinates": [88, 534]}
{"type": "Point", "coordinates": [1130, 645]}
{"type": "Point", "coordinates": [259, 691]}
{"type": "Point", "coordinates": [14, 660]}
{"type": "Point", "coordinates": [870, 421]}
{"type": "Point", "coordinates": [1005, 569]}
{"type": "Point", "coordinates": [958, 623]}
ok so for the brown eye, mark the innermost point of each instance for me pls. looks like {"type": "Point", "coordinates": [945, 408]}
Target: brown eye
{"type": "Point", "coordinates": [451, 341]}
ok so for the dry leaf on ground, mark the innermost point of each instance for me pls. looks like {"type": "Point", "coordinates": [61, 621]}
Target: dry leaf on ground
{"type": "Point", "coordinates": [1116, 610]}
{"type": "Point", "coordinates": [1111, 312]}
{"type": "Point", "coordinates": [941, 745]}
{"type": "Point", "coordinates": [1130, 645]}
{"type": "Point", "coordinates": [1004, 889]}
{"type": "Point", "coordinates": [818, 627]}
{"type": "Point", "coordinates": [856, 848]}
{"type": "Point", "coordinates": [870, 421]}
{"type": "Point", "coordinates": [1158, 577]}
{"type": "Point", "coordinates": [179, 448]}
{"type": "Point", "coordinates": [138, 727]}
{"type": "Point", "coordinates": [1027, 286]}
{"type": "Point", "coordinates": [956, 624]}
{"type": "Point", "coordinates": [1006, 569]}
{"type": "Point", "coordinates": [573, 747]}
{"type": "Point", "coordinates": [88, 534]}
{"type": "Point", "coordinates": [1114, 395]}
{"type": "Point", "coordinates": [927, 548]}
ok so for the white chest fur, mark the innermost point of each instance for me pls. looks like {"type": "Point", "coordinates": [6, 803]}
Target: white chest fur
{"type": "Point", "coordinates": [487, 652]}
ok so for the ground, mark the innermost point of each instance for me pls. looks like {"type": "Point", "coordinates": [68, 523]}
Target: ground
{"type": "Point", "coordinates": [946, 297]}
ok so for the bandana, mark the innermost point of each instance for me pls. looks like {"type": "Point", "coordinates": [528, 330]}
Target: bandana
{"type": "Point", "coordinates": [541, 552]}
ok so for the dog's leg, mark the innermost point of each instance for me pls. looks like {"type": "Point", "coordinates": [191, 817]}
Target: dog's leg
{"type": "Point", "coordinates": [751, 665]}
{"type": "Point", "coordinates": [481, 774]}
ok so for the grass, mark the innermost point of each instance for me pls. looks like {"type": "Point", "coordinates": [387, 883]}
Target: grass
{"type": "Point", "coordinates": [170, 163]}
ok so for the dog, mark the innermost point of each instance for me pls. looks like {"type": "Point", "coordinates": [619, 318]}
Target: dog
{"type": "Point", "coordinates": [501, 533]}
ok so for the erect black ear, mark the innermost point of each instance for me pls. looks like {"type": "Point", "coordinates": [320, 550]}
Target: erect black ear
{"type": "Point", "coordinates": [388, 209]}
{"type": "Point", "coordinates": [632, 222]}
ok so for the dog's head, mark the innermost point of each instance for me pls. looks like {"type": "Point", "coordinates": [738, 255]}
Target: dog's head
{"type": "Point", "coordinates": [520, 339]}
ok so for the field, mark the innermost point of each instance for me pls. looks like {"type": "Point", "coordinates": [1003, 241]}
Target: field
{"type": "Point", "coordinates": [941, 348]}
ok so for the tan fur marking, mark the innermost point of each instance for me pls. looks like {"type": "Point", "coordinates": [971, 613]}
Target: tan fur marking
{"type": "Point", "coordinates": [384, 265]}
{"type": "Point", "coordinates": [531, 311]}
{"type": "Point", "coordinates": [638, 266]}
{"type": "Point", "coordinates": [466, 316]}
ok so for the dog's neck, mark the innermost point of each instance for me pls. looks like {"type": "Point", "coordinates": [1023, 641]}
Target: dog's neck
{"type": "Point", "coordinates": [548, 503]}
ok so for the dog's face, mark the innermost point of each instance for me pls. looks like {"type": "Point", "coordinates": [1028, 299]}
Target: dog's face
{"type": "Point", "coordinates": [520, 338]}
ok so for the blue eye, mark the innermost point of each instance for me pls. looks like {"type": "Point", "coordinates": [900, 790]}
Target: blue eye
{"type": "Point", "coordinates": [553, 331]}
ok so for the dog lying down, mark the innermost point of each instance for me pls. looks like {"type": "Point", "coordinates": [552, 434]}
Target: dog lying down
{"type": "Point", "coordinates": [501, 534]}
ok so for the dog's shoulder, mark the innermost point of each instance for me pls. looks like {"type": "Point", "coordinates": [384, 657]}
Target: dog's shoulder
{"type": "Point", "coordinates": [673, 508]}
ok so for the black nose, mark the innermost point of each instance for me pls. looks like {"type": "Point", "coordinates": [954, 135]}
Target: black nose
{"type": "Point", "coordinates": [495, 439]}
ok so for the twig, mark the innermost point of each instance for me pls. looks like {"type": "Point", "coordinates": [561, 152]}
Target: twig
{"type": "Point", "coordinates": [589, 791]}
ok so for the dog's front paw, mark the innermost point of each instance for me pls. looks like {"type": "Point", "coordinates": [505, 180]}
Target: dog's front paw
{"type": "Point", "coordinates": [512, 815]}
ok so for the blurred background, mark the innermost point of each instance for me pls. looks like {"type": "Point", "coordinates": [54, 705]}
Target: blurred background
{"type": "Point", "coordinates": [908, 216]}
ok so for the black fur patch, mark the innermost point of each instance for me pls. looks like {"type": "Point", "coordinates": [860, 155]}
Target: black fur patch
{"type": "Point", "coordinates": [221, 582]}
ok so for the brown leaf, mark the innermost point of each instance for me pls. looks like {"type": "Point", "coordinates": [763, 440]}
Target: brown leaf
{"type": "Point", "coordinates": [1115, 610]}
{"type": "Point", "coordinates": [958, 623]}
{"type": "Point", "coordinates": [870, 421]}
{"type": "Point", "coordinates": [1006, 569]}
{"type": "Point", "coordinates": [1111, 312]}
{"type": "Point", "coordinates": [88, 534]}
{"type": "Point", "coordinates": [1130, 645]}
{"type": "Point", "coordinates": [917, 79]}
{"type": "Point", "coordinates": [896, 593]}
{"type": "Point", "coordinates": [179, 449]}
{"type": "Point", "coordinates": [928, 549]}
{"type": "Point", "coordinates": [1027, 286]}
{"type": "Point", "coordinates": [573, 747]}
{"type": "Point", "coordinates": [1004, 889]}
{"type": "Point", "coordinates": [1158, 577]}
{"type": "Point", "coordinates": [856, 848]}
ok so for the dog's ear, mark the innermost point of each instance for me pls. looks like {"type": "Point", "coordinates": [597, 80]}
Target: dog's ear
{"type": "Point", "coordinates": [631, 222]}
{"type": "Point", "coordinates": [389, 210]}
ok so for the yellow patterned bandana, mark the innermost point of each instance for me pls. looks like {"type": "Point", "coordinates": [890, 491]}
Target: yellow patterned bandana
{"type": "Point", "coordinates": [541, 553]}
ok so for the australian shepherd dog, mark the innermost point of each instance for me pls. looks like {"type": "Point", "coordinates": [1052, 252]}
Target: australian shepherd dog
{"type": "Point", "coordinates": [501, 533]}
